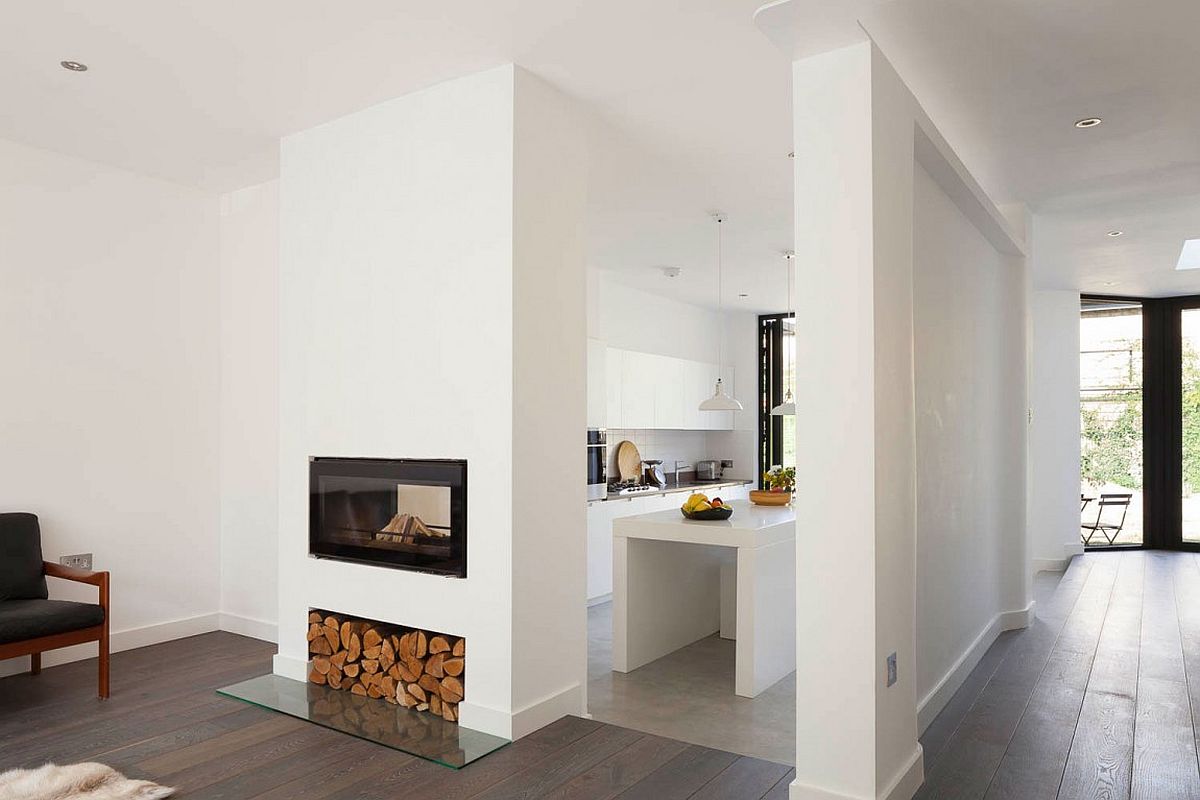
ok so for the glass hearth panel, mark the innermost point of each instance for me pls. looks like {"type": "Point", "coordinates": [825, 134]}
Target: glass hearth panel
{"type": "Point", "coordinates": [413, 732]}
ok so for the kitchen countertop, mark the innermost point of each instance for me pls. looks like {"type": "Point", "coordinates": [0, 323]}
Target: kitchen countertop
{"type": "Point", "coordinates": [684, 486]}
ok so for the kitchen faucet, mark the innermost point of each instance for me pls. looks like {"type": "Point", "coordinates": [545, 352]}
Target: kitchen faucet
{"type": "Point", "coordinates": [677, 465]}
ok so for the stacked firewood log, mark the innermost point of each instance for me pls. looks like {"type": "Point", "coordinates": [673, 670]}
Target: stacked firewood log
{"type": "Point", "coordinates": [414, 668]}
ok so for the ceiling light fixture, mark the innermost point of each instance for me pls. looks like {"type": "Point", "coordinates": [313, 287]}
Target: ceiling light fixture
{"type": "Point", "coordinates": [1088, 122]}
{"type": "Point", "coordinates": [672, 272]}
{"type": "Point", "coordinates": [74, 66]}
{"type": "Point", "coordinates": [720, 401]}
{"type": "Point", "coordinates": [1115, 234]}
{"type": "Point", "coordinates": [1110, 283]}
{"type": "Point", "coordinates": [788, 406]}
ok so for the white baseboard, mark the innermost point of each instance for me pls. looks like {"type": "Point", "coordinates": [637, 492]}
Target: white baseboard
{"type": "Point", "coordinates": [543, 711]}
{"type": "Point", "coordinates": [902, 786]}
{"type": "Point", "coordinates": [910, 777]}
{"type": "Point", "coordinates": [1070, 550]}
{"type": "Point", "coordinates": [128, 639]}
{"type": "Point", "coordinates": [932, 704]}
{"type": "Point", "coordinates": [249, 626]}
{"type": "Point", "coordinates": [802, 791]}
{"type": "Point", "coordinates": [288, 667]}
{"type": "Point", "coordinates": [599, 600]}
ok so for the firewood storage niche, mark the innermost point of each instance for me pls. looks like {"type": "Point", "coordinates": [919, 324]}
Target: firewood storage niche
{"type": "Point", "coordinates": [418, 669]}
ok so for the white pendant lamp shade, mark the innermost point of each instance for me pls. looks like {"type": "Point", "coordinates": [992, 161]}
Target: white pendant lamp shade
{"type": "Point", "coordinates": [788, 407]}
{"type": "Point", "coordinates": [720, 401]}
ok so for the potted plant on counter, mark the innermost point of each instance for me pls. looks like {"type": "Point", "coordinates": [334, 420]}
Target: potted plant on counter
{"type": "Point", "coordinates": [782, 484]}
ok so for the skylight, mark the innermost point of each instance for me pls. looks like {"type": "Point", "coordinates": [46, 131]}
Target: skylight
{"type": "Point", "coordinates": [1189, 256]}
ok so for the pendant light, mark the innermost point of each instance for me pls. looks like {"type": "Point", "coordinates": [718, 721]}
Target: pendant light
{"type": "Point", "coordinates": [720, 401]}
{"type": "Point", "coordinates": [788, 407]}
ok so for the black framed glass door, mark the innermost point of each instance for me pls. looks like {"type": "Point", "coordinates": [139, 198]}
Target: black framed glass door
{"type": "Point", "coordinates": [1170, 424]}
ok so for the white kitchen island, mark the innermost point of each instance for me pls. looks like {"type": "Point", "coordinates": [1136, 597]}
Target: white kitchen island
{"type": "Point", "coordinates": [676, 581]}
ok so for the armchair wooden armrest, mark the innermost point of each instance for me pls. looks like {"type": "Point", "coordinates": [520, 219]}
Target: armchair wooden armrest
{"type": "Point", "coordinates": [99, 633]}
{"type": "Point", "coordinates": [78, 575]}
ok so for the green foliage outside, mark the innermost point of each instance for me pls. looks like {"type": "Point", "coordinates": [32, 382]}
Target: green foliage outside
{"type": "Point", "coordinates": [1112, 451]}
{"type": "Point", "coordinates": [1191, 419]}
{"type": "Point", "coordinates": [1112, 445]}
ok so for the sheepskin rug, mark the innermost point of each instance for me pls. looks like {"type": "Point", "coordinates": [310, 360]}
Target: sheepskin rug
{"type": "Point", "coordinates": [76, 782]}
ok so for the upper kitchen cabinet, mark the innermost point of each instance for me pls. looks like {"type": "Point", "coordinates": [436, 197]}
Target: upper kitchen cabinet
{"type": "Point", "coordinates": [597, 384]}
{"type": "Point", "coordinates": [643, 390]}
{"type": "Point", "coordinates": [638, 389]}
{"type": "Point", "coordinates": [669, 393]}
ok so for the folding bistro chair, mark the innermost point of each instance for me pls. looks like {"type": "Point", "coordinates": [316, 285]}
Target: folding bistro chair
{"type": "Point", "coordinates": [1108, 530]}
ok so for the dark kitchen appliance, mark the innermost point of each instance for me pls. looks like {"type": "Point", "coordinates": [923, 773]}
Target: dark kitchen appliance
{"type": "Point", "coordinates": [655, 475]}
{"type": "Point", "coordinates": [708, 470]}
{"type": "Point", "coordinates": [597, 463]}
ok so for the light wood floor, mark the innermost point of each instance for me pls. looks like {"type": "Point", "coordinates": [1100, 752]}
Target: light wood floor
{"type": "Point", "coordinates": [165, 722]}
{"type": "Point", "coordinates": [1100, 698]}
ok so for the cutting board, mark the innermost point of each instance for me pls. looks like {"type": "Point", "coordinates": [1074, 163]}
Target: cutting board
{"type": "Point", "coordinates": [629, 462]}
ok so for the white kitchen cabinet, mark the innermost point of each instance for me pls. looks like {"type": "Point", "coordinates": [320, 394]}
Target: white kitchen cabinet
{"type": "Point", "coordinates": [597, 384]}
{"type": "Point", "coordinates": [637, 390]}
{"type": "Point", "coordinates": [614, 361]}
{"type": "Point", "coordinates": [643, 390]}
{"type": "Point", "coordinates": [669, 392]}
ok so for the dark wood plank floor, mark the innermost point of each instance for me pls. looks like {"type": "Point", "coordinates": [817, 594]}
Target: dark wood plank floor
{"type": "Point", "coordinates": [1100, 698]}
{"type": "Point", "coordinates": [165, 722]}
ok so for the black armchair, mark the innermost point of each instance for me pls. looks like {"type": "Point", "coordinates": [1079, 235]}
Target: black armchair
{"type": "Point", "coordinates": [30, 623]}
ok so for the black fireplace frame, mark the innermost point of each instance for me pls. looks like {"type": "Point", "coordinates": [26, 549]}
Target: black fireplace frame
{"type": "Point", "coordinates": [451, 473]}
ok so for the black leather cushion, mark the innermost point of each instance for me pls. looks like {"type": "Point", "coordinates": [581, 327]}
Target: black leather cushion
{"type": "Point", "coordinates": [21, 576]}
{"type": "Point", "coordinates": [29, 619]}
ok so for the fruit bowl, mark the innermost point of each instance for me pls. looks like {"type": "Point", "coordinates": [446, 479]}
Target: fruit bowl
{"type": "Point", "coordinates": [761, 498]}
{"type": "Point", "coordinates": [724, 512]}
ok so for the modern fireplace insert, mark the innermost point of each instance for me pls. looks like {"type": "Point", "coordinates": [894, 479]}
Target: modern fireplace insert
{"type": "Point", "coordinates": [401, 513]}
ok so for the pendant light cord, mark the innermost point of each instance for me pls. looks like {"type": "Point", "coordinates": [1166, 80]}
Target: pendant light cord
{"type": "Point", "coordinates": [720, 305]}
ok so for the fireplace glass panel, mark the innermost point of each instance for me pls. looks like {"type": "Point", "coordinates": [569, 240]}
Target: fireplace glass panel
{"type": "Point", "coordinates": [403, 513]}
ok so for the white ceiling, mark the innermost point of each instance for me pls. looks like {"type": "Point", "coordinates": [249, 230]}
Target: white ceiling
{"type": "Point", "coordinates": [690, 109]}
{"type": "Point", "coordinates": [1005, 80]}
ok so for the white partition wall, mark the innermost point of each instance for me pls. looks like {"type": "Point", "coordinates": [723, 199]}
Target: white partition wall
{"type": "Point", "coordinates": [433, 306]}
{"type": "Point", "coordinates": [859, 138]}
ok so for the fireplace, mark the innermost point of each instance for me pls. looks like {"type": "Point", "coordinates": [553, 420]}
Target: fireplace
{"type": "Point", "coordinates": [400, 513]}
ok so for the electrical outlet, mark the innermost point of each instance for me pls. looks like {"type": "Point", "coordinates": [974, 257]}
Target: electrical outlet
{"type": "Point", "coordinates": [891, 669]}
{"type": "Point", "coordinates": [78, 561]}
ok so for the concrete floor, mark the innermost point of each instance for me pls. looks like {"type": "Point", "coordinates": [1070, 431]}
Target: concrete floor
{"type": "Point", "coordinates": [688, 695]}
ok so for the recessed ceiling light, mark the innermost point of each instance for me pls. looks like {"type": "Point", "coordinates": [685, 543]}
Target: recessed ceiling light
{"type": "Point", "coordinates": [74, 66]}
{"type": "Point", "coordinates": [1189, 256]}
{"type": "Point", "coordinates": [742, 294]}
{"type": "Point", "coordinates": [1115, 234]}
{"type": "Point", "coordinates": [1088, 122]}
{"type": "Point", "coordinates": [672, 272]}
{"type": "Point", "coordinates": [1111, 283]}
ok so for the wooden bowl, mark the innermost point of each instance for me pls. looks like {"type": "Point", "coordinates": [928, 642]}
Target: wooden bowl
{"type": "Point", "coordinates": [761, 498]}
{"type": "Point", "coordinates": [725, 512]}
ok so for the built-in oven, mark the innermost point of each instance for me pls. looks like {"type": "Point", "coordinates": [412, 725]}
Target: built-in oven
{"type": "Point", "coordinates": [597, 463]}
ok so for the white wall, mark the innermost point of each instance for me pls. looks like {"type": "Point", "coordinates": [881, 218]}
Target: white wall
{"type": "Point", "coordinates": [1054, 429]}
{"type": "Point", "coordinates": [863, 132]}
{"type": "Point", "coordinates": [968, 321]}
{"type": "Point", "coordinates": [397, 223]}
{"type": "Point", "coordinates": [249, 441]}
{"type": "Point", "coordinates": [109, 414]}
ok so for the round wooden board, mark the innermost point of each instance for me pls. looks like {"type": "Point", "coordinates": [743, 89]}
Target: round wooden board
{"type": "Point", "coordinates": [629, 461]}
